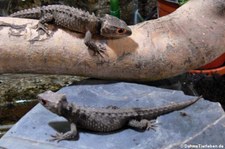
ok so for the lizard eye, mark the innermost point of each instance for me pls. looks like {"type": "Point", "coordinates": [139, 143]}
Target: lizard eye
{"type": "Point", "coordinates": [43, 102]}
{"type": "Point", "coordinates": [120, 30]}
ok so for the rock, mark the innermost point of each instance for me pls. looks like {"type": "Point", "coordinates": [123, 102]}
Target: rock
{"type": "Point", "coordinates": [201, 123]}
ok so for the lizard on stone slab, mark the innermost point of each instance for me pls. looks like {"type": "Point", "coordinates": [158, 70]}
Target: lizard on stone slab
{"type": "Point", "coordinates": [79, 21]}
{"type": "Point", "coordinates": [103, 119]}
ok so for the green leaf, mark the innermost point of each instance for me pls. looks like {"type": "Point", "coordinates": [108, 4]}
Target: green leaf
{"type": "Point", "coordinates": [181, 2]}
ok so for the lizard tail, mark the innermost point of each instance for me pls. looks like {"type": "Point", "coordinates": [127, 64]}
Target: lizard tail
{"type": "Point", "coordinates": [182, 105]}
{"type": "Point", "coordinates": [169, 108]}
{"type": "Point", "coordinates": [33, 13]}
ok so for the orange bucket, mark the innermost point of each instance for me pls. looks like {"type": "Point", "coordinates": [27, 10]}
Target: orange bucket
{"type": "Point", "coordinates": [215, 67]}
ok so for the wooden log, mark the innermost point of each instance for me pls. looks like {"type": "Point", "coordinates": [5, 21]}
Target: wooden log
{"type": "Point", "coordinates": [190, 37]}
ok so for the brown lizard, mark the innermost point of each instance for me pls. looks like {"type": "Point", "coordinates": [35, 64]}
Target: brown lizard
{"type": "Point", "coordinates": [103, 119]}
{"type": "Point", "coordinates": [79, 21]}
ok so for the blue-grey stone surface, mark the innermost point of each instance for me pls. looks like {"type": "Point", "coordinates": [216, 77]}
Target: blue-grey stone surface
{"type": "Point", "coordinates": [203, 123]}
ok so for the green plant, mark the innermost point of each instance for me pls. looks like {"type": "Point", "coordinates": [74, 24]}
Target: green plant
{"type": "Point", "coordinates": [181, 2]}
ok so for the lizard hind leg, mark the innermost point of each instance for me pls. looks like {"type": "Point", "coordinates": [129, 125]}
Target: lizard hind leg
{"type": "Point", "coordinates": [72, 134]}
{"type": "Point", "coordinates": [41, 27]}
{"type": "Point", "coordinates": [44, 19]}
{"type": "Point", "coordinates": [143, 124]}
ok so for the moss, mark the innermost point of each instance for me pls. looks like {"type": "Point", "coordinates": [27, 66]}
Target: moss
{"type": "Point", "coordinates": [18, 92]}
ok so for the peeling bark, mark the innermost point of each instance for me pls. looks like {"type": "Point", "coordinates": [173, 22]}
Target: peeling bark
{"type": "Point", "coordinates": [190, 37]}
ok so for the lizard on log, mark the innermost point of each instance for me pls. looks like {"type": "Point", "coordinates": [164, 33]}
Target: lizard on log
{"type": "Point", "coordinates": [80, 21]}
{"type": "Point", "coordinates": [104, 119]}
{"type": "Point", "coordinates": [157, 49]}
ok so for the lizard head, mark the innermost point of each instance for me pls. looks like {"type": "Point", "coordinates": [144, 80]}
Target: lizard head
{"type": "Point", "coordinates": [113, 27]}
{"type": "Point", "coordinates": [55, 102]}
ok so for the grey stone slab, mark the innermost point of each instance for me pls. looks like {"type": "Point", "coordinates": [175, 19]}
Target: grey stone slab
{"type": "Point", "coordinates": [201, 123]}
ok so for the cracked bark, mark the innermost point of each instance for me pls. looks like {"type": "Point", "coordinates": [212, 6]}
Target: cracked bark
{"type": "Point", "coordinates": [192, 36]}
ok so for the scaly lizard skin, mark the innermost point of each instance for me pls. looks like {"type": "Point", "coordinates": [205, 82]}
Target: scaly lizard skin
{"type": "Point", "coordinates": [79, 21]}
{"type": "Point", "coordinates": [103, 119]}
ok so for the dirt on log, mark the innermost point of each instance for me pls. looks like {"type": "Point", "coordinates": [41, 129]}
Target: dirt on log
{"type": "Point", "coordinates": [186, 39]}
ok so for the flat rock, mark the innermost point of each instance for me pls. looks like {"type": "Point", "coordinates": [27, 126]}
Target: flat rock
{"type": "Point", "coordinates": [200, 124]}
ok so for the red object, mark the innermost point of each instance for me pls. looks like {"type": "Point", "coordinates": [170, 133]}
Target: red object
{"type": "Point", "coordinates": [209, 72]}
{"type": "Point", "coordinates": [165, 8]}
{"type": "Point", "coordinates": [216, 63]}
{"type": "Point", "coordinates": [215, 67]}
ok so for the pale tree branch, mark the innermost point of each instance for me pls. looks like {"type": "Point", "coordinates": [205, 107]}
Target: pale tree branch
{"type": "Point", "coordinates": [187, 39]}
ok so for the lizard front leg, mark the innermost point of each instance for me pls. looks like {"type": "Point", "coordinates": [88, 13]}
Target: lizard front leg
{"type": "Point", "coordinates": [48, 17]}
{"type": "Point", "coordinates": [143, 124]}
{"type": "Point", "coordinates": [97, 49]}
{"type": "Point", "coordinates": [72, 134]}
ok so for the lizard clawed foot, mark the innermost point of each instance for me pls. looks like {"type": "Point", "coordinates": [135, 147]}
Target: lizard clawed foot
{"type": "Point", "coordinates": [151, 125]}
{"type": "Point", "coordinates": [62, 136]}
{"type": "Point", "coordinates": [98, 50]}
{"type": "Point", "coordinates": [57, 137]}
{"type": "Point", "coordinates": [41, 28]}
